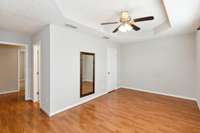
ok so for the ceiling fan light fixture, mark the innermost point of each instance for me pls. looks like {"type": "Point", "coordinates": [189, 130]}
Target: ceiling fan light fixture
{"type": "Point", "coordinates": [125, 27]}
{"type": "Point", "coordinates": [127, 23]}
{"type": "Point", "coordinates": [128, 27]}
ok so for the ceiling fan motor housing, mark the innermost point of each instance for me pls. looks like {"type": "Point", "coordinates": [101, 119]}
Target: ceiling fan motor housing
{"type": "Point", "coordinates": [124, 17]}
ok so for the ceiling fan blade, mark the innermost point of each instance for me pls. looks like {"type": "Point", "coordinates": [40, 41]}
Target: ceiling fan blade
{"type": "Point", "coordinates": [114, 31]}
{"type": "Point", "coordinates": [136, 28]}
{"type": "Point", "coordinates": [198, 28]}
{"type": "Point", "coordinates": [143, 19]}
{"type": "Point", "coordinates": [107, 23]}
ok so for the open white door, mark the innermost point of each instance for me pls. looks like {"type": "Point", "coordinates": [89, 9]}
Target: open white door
{"type": "Point", "coordinates": [111, 69]}
{"type": "Point", "coordinates": [36, 72]}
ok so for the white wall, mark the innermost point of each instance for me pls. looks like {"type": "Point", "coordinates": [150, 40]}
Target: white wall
{"type": "Point", "coordinates": [198, 66]}
{"type": "Point", "coordinates": [66, 45]}
{"type": "Point", "coordinates": [44, 37]}
{"type": "Point", "coordinates": [18, 38]}
{"type": "Point", "coordinates": [165, 65]}
{"type": "Point", "coordinates": [14, 37]}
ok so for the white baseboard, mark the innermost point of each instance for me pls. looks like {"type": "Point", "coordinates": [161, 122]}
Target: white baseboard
{"type": "Point", "coordinates": [198, 103]}
{"type": "Point", "coordinates": [160, 93]}
{"type": "Point", "coordinates": [28, 98]}
{"type": "Point", "coordinates": [76, 104]}
{"type": "Point", "coordinates": [7, 92]}
{"type": "Point", "coordinates": [89, 99]}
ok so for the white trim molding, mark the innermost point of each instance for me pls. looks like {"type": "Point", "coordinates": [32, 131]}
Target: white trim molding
{"type": "Point", "coordinates": [7, 92]}
{"type": "Point", "coordinates": [37, 71]}
{"type": "Point", "coordinates": [19, 64]}
{"type": "Point", "coordinates": [76, 104]}
{"type": "Point", "coordinates": [159, 93]}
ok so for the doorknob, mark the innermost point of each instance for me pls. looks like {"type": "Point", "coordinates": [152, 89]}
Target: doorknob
{"type": "Point", "coordinates": [108, 73]}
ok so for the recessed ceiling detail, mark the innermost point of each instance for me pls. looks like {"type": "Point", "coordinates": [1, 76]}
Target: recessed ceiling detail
{"type": "Point", "coordinates": [171, 16]}
{"type": "Point", "coordinates": [96, 12]}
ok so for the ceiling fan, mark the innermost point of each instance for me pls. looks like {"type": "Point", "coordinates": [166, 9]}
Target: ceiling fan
{"type": "Point", "coordinates": [127, 23]}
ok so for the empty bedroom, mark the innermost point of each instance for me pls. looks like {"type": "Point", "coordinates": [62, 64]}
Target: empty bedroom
{"type": "Point", "coordinates": [109, 66]}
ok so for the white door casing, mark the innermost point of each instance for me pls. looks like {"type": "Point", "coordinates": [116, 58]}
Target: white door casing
{"type": "Point", "coordinates": [20, 51]}
{"type": "Point", "coordinates": [36, 72]}
{"type": "Point", "coordinates": [111, 69]}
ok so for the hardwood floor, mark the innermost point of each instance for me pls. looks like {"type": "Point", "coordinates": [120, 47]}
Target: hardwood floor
{"type": "Point", "coordinates": [87, 87]}
{"type": "Point", "coordinates": [122, 111]}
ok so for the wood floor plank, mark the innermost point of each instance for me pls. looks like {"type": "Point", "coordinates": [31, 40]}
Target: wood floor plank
{"type": "Point", "coordinates": [122, 111]}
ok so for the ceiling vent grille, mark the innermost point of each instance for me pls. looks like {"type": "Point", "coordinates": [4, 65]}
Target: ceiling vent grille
{"type": "Point", "coordinates": [71, 26]}
{"type": "Point", "coordinates": [105, 37]}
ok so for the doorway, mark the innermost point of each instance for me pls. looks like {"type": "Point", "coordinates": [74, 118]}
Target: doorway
{"type": "Point", "coordinates": [11, 71]}
{"type": "Point", "coordinates": [111, 69]}
{"type": "Point", "coordinates": [36, 72]}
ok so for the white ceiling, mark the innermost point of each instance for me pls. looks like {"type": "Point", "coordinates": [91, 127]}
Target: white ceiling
{"type": "Point", "coordinates": [27, 16]}
{"type": "Point", "coordinates": [171, 16]}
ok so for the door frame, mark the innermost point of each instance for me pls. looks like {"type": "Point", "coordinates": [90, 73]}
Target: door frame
{"type": "Point", "coordinates": [37, 58]}
{"type": "Point", "coordinates": [27, 79]}
{"type": "Point", "coordinates": [19, 64]}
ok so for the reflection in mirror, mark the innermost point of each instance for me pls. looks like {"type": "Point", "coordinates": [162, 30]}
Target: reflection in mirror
{"type": "Point", "coordinates": [87, 75]}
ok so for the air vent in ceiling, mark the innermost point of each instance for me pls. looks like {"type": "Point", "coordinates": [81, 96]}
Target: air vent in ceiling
{"type": "Point", "coordinates": [71, 26]}
{"type": "Point", "coordinates": [105, 37]}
